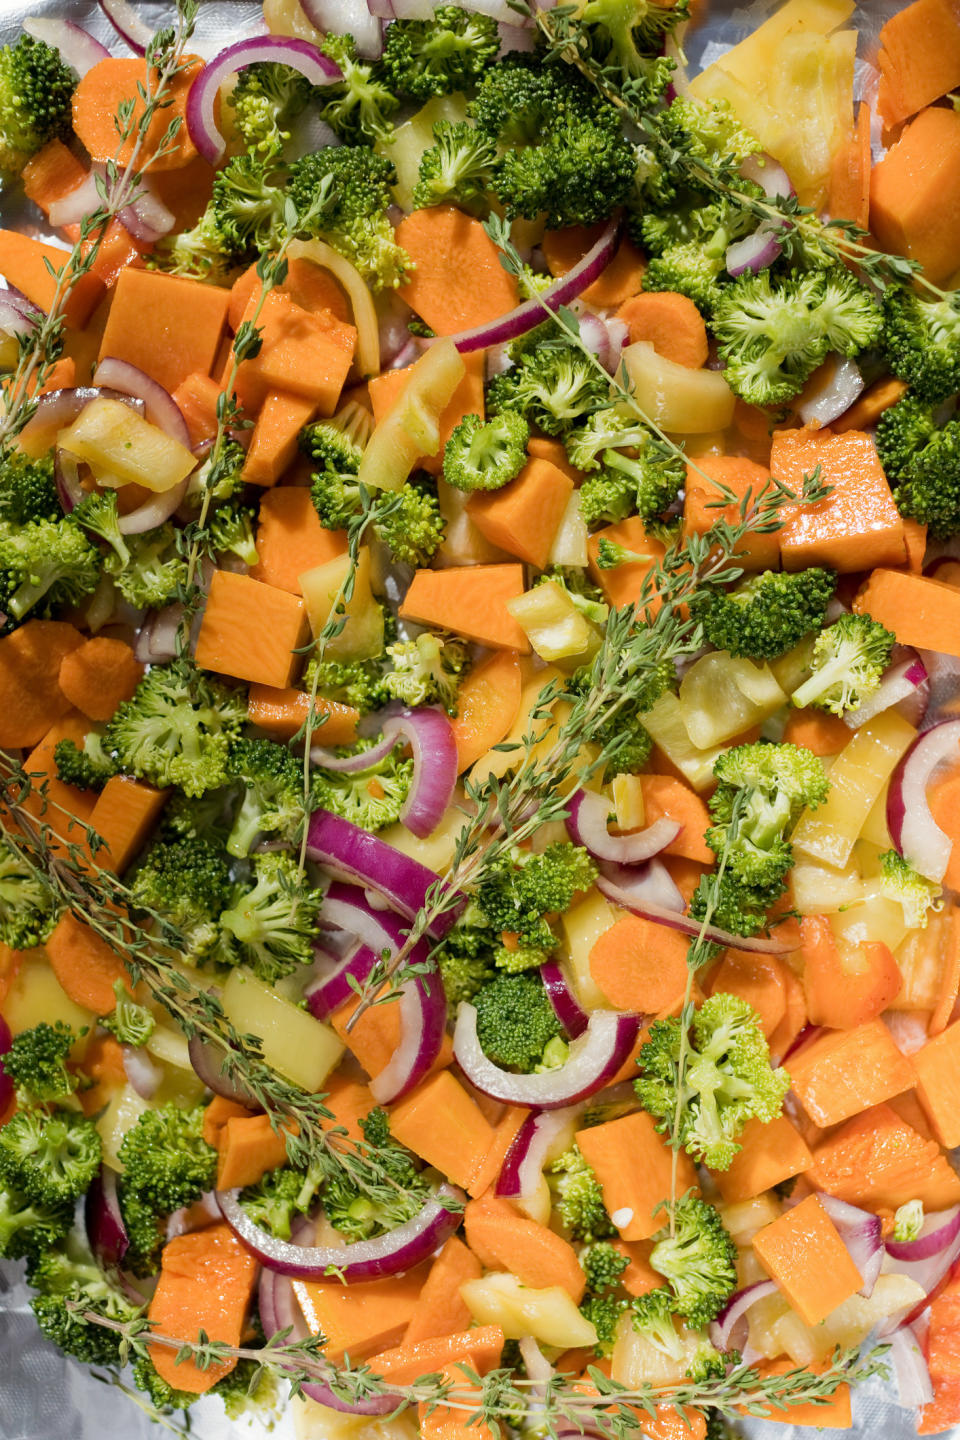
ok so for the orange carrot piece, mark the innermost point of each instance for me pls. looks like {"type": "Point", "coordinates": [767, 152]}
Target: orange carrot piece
{"type": "Point", "coordinates": [164, 324]}
{"type": "Point", "coordinates": [938, 1084]}
{"type": "Point", "coordinates": [919, 58]}
{"type": "Point", "coordinates": [113, 82]}
{"type": "Point", "coordinates": [758, 979]}
{"type": "Point", "coordinates": [523, 517]}
{"type": "Point", "coordinates": [471, 601]}
{"type": "Point", "coordinates": [664, 796]}
{"type": "Point", "coordinates": [409, 1362]}
{"type": "Point", "coordinates": [803, 1252]}
{"type": "Point", "coordinates": [844, 991]}
{"type": "Point", "coordinates": [455, 1422]}
{"type": "Point", "coordinates": [506, 1129]}
{"type": "Point", "coordinates": [842, 1072]}
{"type": "Point", "coordinates": [487, 707]}
{"type": "Point", "coordinates": [640, 965]}
{"type": "Point", "coordinates": [700, 511]}
{"type": "Point", "coordinates": [835, 1412]}
{"type": "Point", "coordinates": [880, 1161]}
{"type": "Point", "coordinates": [281, 712]}
{"type": "Point", "coordinates": [442, 1124]}
{"type": "Point", "coordinates": [249, 1147]}
{"type": "Point", "coordinates": [541, 447]}
{"type": "Point", "coordinates": [360, 1320]}
{"type": "Point", "coordinates": [457, 281]}
{"type": "Point", "coordinates": [30, 696]}
{"type": "Point", "coordinates": [503, 1240]}
{"type": "Point", "coordinates": [215, 1116]}
{"type": "Point", "coordinates": [123, 816]}
{"type": "Point", "coordinates": [816, 730]}
{"type": "Point", "coordinates": [51, 174]}
{"type": "Point", "coordinates": [919, 610]}
{"type": "Point", "coordinates": [769, 1154]}
{"type": "Point", "coordinates": [634, 1166]}
{"type": "Point", "coordinates": [206, 1281]}
{"type": "Point", "coordinates": [290, 538]}
{"type": "Point", "coordinates": [440, 1309]}
{"type": "Point", "coordinates": [943, 1334]}
{"type": "Point", "coordinates": [196, 397]}
{"type": "Point", "coordinates": [623, 585]}
{"type": "Point", "coordinates": [23, 263]}
{"type": "Point", "coordinates": [671, 323]}
{"type": "Point", "coordinates": [915, 194]}
{"type": "Point", "coordinates": [103, 1063]}
{"type": "Point", "coordinates": [562, 249]}
{"type": "Point", "coordinates": [85, 965]}
{"type": "Point", "coordinates": [858, 524]}
{"type": "Point", "coordinates": [99, 675]}
{"type": "Point", "coordinates": [949, 973]}
{"type": "Point", "coordinates": [868, 407]}
{"type": "Point", "coordinates": [64, 808]}
{"type": "Point", "coordinates": [273, 444]}
{"type": "Point", "coordinates": [639, 1278]}
{"type": "Point", "coordinates": [309, 285]}
{"type": "Point", "coordinates": [376, 1035]}
{"type": "Point", "coordinates": [849, 193]}
{"type": "Point", "coordinates": [251, 631]}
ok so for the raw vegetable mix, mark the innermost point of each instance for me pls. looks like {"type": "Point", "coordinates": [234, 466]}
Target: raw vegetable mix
{"type": "Point", "coordinates": [479, 623]}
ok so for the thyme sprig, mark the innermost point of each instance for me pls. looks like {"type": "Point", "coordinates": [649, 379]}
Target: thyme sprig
{"type": "Point", "coordinates": [118, 187]}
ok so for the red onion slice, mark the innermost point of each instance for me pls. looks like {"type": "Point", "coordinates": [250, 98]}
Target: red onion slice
{"type": "Point", "coordinates": [912, 827]}
{"type": "Point", "coordinates": [326, 995]}
{"type": "Point", "coordinates": [938, 1230]}
{"type": "Point", "coordinates": [300, 55]}
{"type": "Point", "coordinates": [523, 1166]}
{"type": "Point", "coordinates": [206, 1059]}
{"type": "Point", "coordinates": [353, 854]}
{"type": "Point", "coordinates": [17, 316]}
{"type": "Point", "coordinates": [77, 47]}
{"type": "Point", "coordinates": [7, 1087]}
{"type": "Point", "coordinates": [910, 1370]}
{"type": "Point", "coordinates": [73, 207]}
{"type": "Point", "coordinates": [901, 682]}
{"type": "Point", "coordinates": [566, 1006]}
{"type": "Point", "coordinates": [594, 1058]}
{"type": "Point", "coordinates": [349, 17]}
{"type": "Point", "coordinates": [561, 292]}
{"type": "Point", "coordinates": [929, 1270]}
{"type": "Point", "coordinates": [834, 398]}
{"type": "Point", "coordinates": [157, 641]}
{"type": "Point", "coordinates": [688, 926]}
{"type": "Point", "coordinates": [862, 1233]}
{"type": "Point", "coordinates": [423, 1025]}
{"type": "Point", "coordinates": [352, 764]}
{"type": "Point", "coordinates": [155, 511]}
{"type": "Point", "coordinates": [143, 1073]}
{"type": "Point", "coordinates": [159, 406]}
{"type": "Point", "coordinates": [430, 736]}
{"type": "Point", "coordinates": [57, 408]}
{"type": "Point", "coordinates": [147, 218]}
{"type": "Point", "coordinates": [769, 174]}
{"type": "Point", "coordinates": [729, 1330]}
{"type": "Point", "coordinates": [755, 252]}
{"type": "Point", "coordinates": [399, 1249]}
{"type": "Point", "coordinates": [651, 883]}
{"type": "Point", "coordinates": [103, 1219]}
{"type": "Point", "coordinates": [587, 825]}
{"type": "Point", "coordinates": [127, 24]}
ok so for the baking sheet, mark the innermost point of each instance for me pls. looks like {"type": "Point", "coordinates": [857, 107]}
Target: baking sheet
{"type": "Point", "coordinates": [44, 1395]}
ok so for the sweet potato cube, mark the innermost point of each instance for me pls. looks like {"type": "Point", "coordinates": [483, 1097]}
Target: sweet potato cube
{"type": "Point", "coordinates": [634, 1166]}
{"type": "Point", "coordinates": [164, 324]}
{"type": "Point", "coordinates": [99, 675]}
{"type": "Point", "coordinates": [249, 1147]}
{"type": "Point", "coordinates": [290, 538]}
{"type": "Point", "coordinates": [470, 600]}
{"type": "Point", "coordinates": [467, 399]}
{"type": "Point", "coordinates": [938, 1084]}
{"type": "Point", "coordinates": [251, 631]}
{"type": "Point", "coordinates": [360, 1320]}
{"type": "Point", "coordinates": [858, 524]}
{"type": "Point", "coordinates": [23, 264]}
{"type": "Point", "coordinates": [623, 585]}
{"type": "Point", "coordinates": [769, 1154]}
{"type": "Point", "coordinates": [281, 712]}
{"type": "Point", "coordinates": [123, 816]}
{"type": "Point", "coordinates": [803, 1252]}
{"type": "Point", "coordinates": [879, 1160]}
{"type": "Point", "coordinates": [30, 660]}
{"type": "Point", "coordinates": [701, 513]}
{"type": "Point", "coordinates": [918, 609]}
{"type": "Point", "coordinates": [442, 1124]}
{"type": "Point", "coordinates": [915, 194]}
{"type": "Point", "coordinates": [919, 58]}
{"type": "Point", "coordinates": [273, 444]}
{"type": "Point", "coordinates": [845, 1071]}
{"type": "Point", "coordinates": [524, 516]}
{"type": "Point", "coordinates": [63, 802]}
{"type": "Point", "coordinates": [196, 398]}
{"type": "Point", "coordinates": [300, 353]}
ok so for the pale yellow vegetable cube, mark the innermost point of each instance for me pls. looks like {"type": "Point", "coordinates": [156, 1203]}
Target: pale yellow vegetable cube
{"type": "Point", "coordinates": [721, 696]}
{"type": "Point", "coordinates": [636, 1361]}
{"type": "Point", "coordinates": [745, 1217]}
{"type": "Point", "coordinates": [362, 634]}
{"type": "Point", "coordinates": [570, 542]}
{"type": "Point", "coordinates": [436, 850]}
{"type": "Point", "coordinates": [120, 1114]}
{"type": "Point", "coordinates": [820, 889]}
{"type": "Point", "coordinates": [687, 402]}
{"type": "Point", "coordinates": [550, 1315]}
{"type": "Point", "coordinates": [122, 448]}
{"type": "Point", "coordinates": [665, 722]}
{"type": "Point", "coordinates": [36, 994]}
{"type": "Point", "coordinates": [583, 924]}
{"type": "Point", "coordinates": [554, 626]}
{"type": "Point", "coordinates": [628, 805]}
{"type": "Point", "coordinates": [871, 918]}
{"type": "Point", "coordinates": [316, 1422]}
{"type": "Point", "coordinates": [293, 1042]}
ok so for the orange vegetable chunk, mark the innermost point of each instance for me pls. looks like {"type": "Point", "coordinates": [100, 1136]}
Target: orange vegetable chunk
{"type": "Point", "coordinates": [640, 965]}
{"type": "Point", "coordinates": [301, 353]}
{"type": "Point", "coordinates": [23, 263]}
{"type": "Point", "coordinates": [99, 675]}
{"type": "Point", "coordinates": [409, 1362]}
{"type": "Point", "coordinates": [843, 990]}
{"type": "Point", "coordinates": [919, 58]}
{"type": "Point", "coordinates": [943, 1361]}
{"type": "Point", "coordinates": [164, 324]}
{"type": "Point", "coordinates": [849, 193]}
{"type": "Point", "coordinates": [471, 601]}
{"type": "Point", "coordinates": [442, 1124]}
{"type": "Point", "coordinates": [290, 538]}
{"type": "Point", "coordinates": [842, 1072]}
{"type": "Point", "coordinates": [249, 1147]}
{"type": "Point", "coordinates": [701, 513]}
{"type": "Point", "coordinates": [85, 965]}
{"type": "Point", "coordinates": [672, 324]}
{"type": "Point", "coordinates": [816, 730]}
{"type": "Point", "coordinates": [51, 174]}
{"type": "Point", "coordinates": [663, 795]}
{"type": "Point", "coordinates": [281, 712]}
{"type": "Point", "coordinates": [360, 1320]}
{"type": "Point", "coordinates": [116, 81]}
{"type": "Point", "coordinates": [938, 1084]}
{"type": "Point", "coordinates": [803, 1252]}
{"type": "Point", "coordinates": [879, 1161]}
{"type": "Point", "coordinates": [440, 1309]}
{"type": "Point", "coordinates": [523, 517]}
{"type": "Point", "coordinates": [919, 610]}
{"type": "Point", "coordinates": [57, 803]}
{"type": "Point", "coordinates": [835, 1412]}
{"type": "Point", "coordinates": [30, 660]}
{"type": "Point", "coordinates": [769, 1154]}
{"type": "Point", "coordinates": [503, 1240]}
{"type": "Point", "coordinates": [758, 979]}
{"type": "Point", "coordinates": [868, 407]}
{"type": "Point", "coordinates": [196, 398]}
{"type": "Point", "coordinates": [858, 524]}
{"type": "Point", "coordinates": [634, 1166]}
{"type": "Point", "coordinates": [461, 1421]}
{"type": "Point", "coordinates": [915, 194]}
{"type": "Point", "coordinates": [273, 444]}
{"type": "Point", "coordinates": [124, 814]}
{"type": "Point", "coordinates": [215, 1116]}
{"type": "Point", "coordinates": [457, 281]}
{"type": "Point", "coordinates": [623, 585]}
{"type": "Point", "coordinates": [251, 631]}
{"type": "Point", "coordinates": [206, 1281]}
{"type": "Point", "coordinates": [487, 706]}
{"type": "Point", "coordinates": [376, 1035]}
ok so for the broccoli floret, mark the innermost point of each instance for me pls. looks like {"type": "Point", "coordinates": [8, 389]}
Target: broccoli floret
{"type": "Point", "coordinates": [457, 169]}
{"type": "Point", "coordinates": [579, 173]}
{"type": "Point", "coordinates": [411, 524]}
{"type": "Point", "coordinates": [485, 455]}
{"type": "Point", "coordinates": [688, 242]}
{"type": "Point", "coordinates": [28, 911]}
{"type": "Point", "coordinates": [554, 386]}
{"type": "Point", "coordinates": [246, 208]}
{"type": "Point", "coordinates": [265, 99]}
{"type": "Point", "coordinates": [70, 1273]}
{"type": "Point", "coordinates": [409, 521]}
{"type": "Point", "coordinates": [45, 561]}
{"type": "Point", "coordinates": [579, 589]}
{"type": "Point", "coordinates": [603, 1264]}
{"type": "Point", "coordinates": [518, 98]}
{"type": "Point", "coordinates": [578, 1199]}
{"type": "Point", "coordinates": [36, 89]}
{"type": "Point", "coordinates": [99, 514]}
{"type": "Point", "coordinates": [37, 1063]}
{"type": "Point", "coordinates": [51, 1156]}
{"type": "Point", "coordinates": [921, 341]}
{"type": "Point", "coordinates": [515, 898]}
{"type": "Point", "coordinates": [177, 729]}
{"type": "Point", "coordinates": [29, 1228]}
{"type": "Point", "coordinates": [767, 614]}
{"type": "Point", "coordinates": [902, 434]}
{"type": "Point", "coordinates": [271, 800]}
{"type": "Point", "coordinates": [606, 429]}
{"type": "Point", "coordinates": [186, 881]}
{"type": "Point", "coordinates": [208, 817]}
{"type": "Point", "coordinates": [451, 51]}
{"type": "Point", "coordinates": [427, 671]}
{"type": "Point", "coordinates": [900, 882]}
{"type": "Point", "coordinates": [274, 923]}
{"type": "Point", "coordinates": [930, 489]}
{"type": "Point", "coordinates": [708, 131]}
{"type": "Point", "coordinates": [727, 1079]}
{"type": "Point", "coordinates": [200, 253]}
{"type": "Point", "coordinates": [156, 572]}
{"type": "Point", "coordinates": [623, 737]}
{"type": "Point", "coordinates": [465, 961]}
{"type": "Point", "coordinates": [627, 36]}
{"type": "Point", "coordinates": [772, 335]}
{"type": "Point", "coordinates": [698, 1259]}
{"type": "Point", "coordinates": [370, 798]}
{"type": "Point", "coordinates": [653, 1317]}
{"type": "Point", "coordinates": [358, 683]}
{"type": "Point", "coordinates": [908, 1221]}
{"type": "Point", "coordinates": [166, 1164]}
{"type": "Point", "coordinates": [848, 662]}
{"type": "Point", "coordinates": [221, 478]}
{"type": "Point", "coordinates": [740, 908]}
{"type": "Point", "coordinates": [352, 184]}
{"type": "Point", "coordinates": [358, 107]}
{"type": "Point", "coordinates": [28, 492]}
{"type": "Point", "coordinates": [86, 766]}
{"type": "Point", "coordinates": [515, 1021]}
{"type": "Point", "coordinates": [603, 1313]}
{"type": "Point", "coordinates": [359, 1215]}
{"type": "Point", "coordinates": [128, 1022]}
{"type": "Point", "coordinates": [229, 531]}
{"type": "Point", "coordinates": [280, 1196]}
{"type": "Point", "coordinates": [653, 479]}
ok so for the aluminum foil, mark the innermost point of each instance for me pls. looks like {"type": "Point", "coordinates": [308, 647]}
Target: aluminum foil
{"type": "Point", "coordinates": [44, 1395]}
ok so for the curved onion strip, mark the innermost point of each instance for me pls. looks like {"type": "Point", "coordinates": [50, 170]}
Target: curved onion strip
{"type": "Point", "coordinates": [205, 1057]}
{"type": "Point", "coordinates": [835, 396]}
{"type": "Point", "coordinates": [155, 511]}
{"type": "Point", "coordinates": [127, 24]}
{"type": "Point", "coordinates": [910, 1369]}
{"type": "Point", "coordinates": [399, 1249]}
{"type": "Point", "coordinates": [595, 1057]}
{"type": "Point", "coordinates": [566, 1006]}
{"type": "Point", "coordinates": [651, 882]}
{"type": "Point", "coordinates": [82, 200]}
{"type": "Point", "coordinates": [430, 736]}
{"type": "Point", "coordinates": [862, 1233]}
{"type": "Point", "coordinates": [913, 829]}
{"type": "Point", "coordinates": [901, 682]}
{"type": "Point", "coordinates": [929, 1270]}
{"type": "Point", "coordinates": [755, 252]}
{"type": "Point", "coordinates": [103, 1219]}
{"type": "Point", "coordinates": [300, 55]}
{"type": "Point", "coordinates": [769, 174]}
{"type": "Point", "coordinates": [142, 1073]}
{"type": "Point", "coordinates": [688, 926]}
{"type": "Point", "coordinates": [147, 219]}
{"type": "Point", "coordinates": [587, 824]}
{"type": "Point", "coordinates": [326, 995]}
{"type": "Point", "coordinates": [352, 764]}
{"type": "Point", "coordinates": [561, 292]}
{"type": "Point", "coordinates": [16, 317]}
{"type": "Point", "coordinates": [77, 47]}
{"type": "Point", "coordinates": [358, 293]}
{"type": "Point", "coordinates": [423, 1025]}
{"type": "Point", "coordinates": [159, 406]}
{"type": "Point", "coordinates": [727, 1332]}
{"type": "Point", "coordinates": [521, 1170]}
{"type": "Point", "coordinates": [937, 1231]}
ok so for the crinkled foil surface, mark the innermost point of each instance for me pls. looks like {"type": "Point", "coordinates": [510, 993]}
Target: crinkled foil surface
{"type": "Point", "coordinates": [44, 1395]}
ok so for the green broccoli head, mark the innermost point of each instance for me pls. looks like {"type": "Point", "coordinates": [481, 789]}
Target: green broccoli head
{"type": "Point", "coordinates": [929, 490]}
{"type": "Point", "coordinates": [516, 897]}
{"type": "Point", "coordinates": [275, 1201]}
{"type": "Point", "coordinates": [427, 671]}
{"type": "Point", "coordinates": [128, 1022]}
{"type": "Point", "coordinates": [37, 1063]}
{"type": "Point", "coordinates": [767, 614]}
{"type": "Point", "coordinates": [603, 1313]}
{"type": "Point", "coordinates": [736, 905]}
{"type": "Point", "coordinates": [36, 90]}
{"type": "Point", "coordinates": [49, 1156]}
{"type": "Point", "coordinates": [628, 35]}
{"type": "Point", "coordinates": [554, 386]}
{"type": "Point", "coordinates": [902, 434]}
{"type": "Point", "coordinates": [185, 880]}
{"type": "Point", "coordinates": [607, 429]}
{"type": "Point", "coordinates": [465, 960]}
{"type": "Point", "coordinates": [246, 208]}
{"type": "Point", "coordinates": [457, 169]}
{"type": "Point", "coordinates": [69, 1275]}
{"type": "Point", "coordinates": [410, 523]}
{"type": "Point", "coordinates": [346, 191]}
{"type": "Point", "coordinates": [370, 798]}
{"type": "Point", "coordinates": [44, 563]}
{"type": "Point", "coordinates": [28, 908]}
{"type": "Point", "coordinates": [578, 1198]}
{"type": "Point", "coordinates": [921, 341]}
{"type": "Point", "coordinates": [271, 798]}
{"type": "Point", "coordinates": [28, 1228]}
{"type": "Point", "coordinates": [698, 1259]}
{"type": "Point", "coordinates": [360, 1215]}
{"type": "Point", "coordinates": [578, 174]}
{"type": "Point", "coordinates": [709, 131]}
{"type": "Point", "coordinates": [900, 882]}
{"type": "Point", "coordinates": [166, 1164]}
{"type": "Point", "coordinates": [450, 51]}
{"type": "Point", "coordinates": [760, 792]}
{"type": "Point", "coordinates": [87, 766]}
{"type": "Point", "coordinates": [603, 1264]}
{"type": "Point", "coordinates": [358, 683]}
{"type": "Point", "coordinates": [99, 514]}
{"type": "Point", "coordinates": [515, 1021]}
{"type": "Point", "coordinates": [486, 455]}
{"type": "Point", "coordinates": [358, 107]}
{"type": "Point", "coordinates": [265, 99]}
{"type": "Point", "coordinates": [229, 530]}
{"type": "Point", "coordinates": [156, 573]}
{"type": "Point", "coordinates": [653, 478]}
{"type": "Point", "coordinates": [273, 924]}
{"type": "Point", "coordinates": [163, 1397]}
{"type": "Point", "coordinates": [28, 492]}
{"type": "Point", "coordinates": [847, 664]}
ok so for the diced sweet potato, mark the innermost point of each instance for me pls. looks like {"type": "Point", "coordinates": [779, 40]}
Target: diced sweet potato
{"type": "Point", "coordinates": [803, 1252]}
{"type": "Point", "coordinates": [938, 1084]}
{"type": "Point", "coordinates": [918, 609]}
{"type": "Point", "coordinates": [845, 1071]}
{"type": "Point", "coordinates": [700, 512]}
{"type": "Point", "coordinates": [164, 324]}
{"type": "Point", "coordinates": [30, 660]}
{"type": "Point", "coordinates": [123, 816]}
{"type": "Point", "coordinates": [251, 631]}
{"type": "Point", "coordinates": [471, 601]}
{"type": "Point", "coordinates": [290, 538]}
{"type": "Point", "coordinates": [522, 518]}
{"type": "Point", "coordinates": [623, 585]}
{"type": "Point", "coordinates": [360, 1319]}
{"type": "Point", "coordinates": [442, 1124]}
{"type": "Point", "coordinates": [635, 1168]}
{"type": "Point", "coordinates": [915, 194]}
{"type": "Point", "coordinates": [878, 1160]}
{"type": "Point", "coordinates": [273, 444]}
{"type": "Point", "coordinates": [769, 1155]}
{"type": "Point", "coordinates": [301, 353]}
